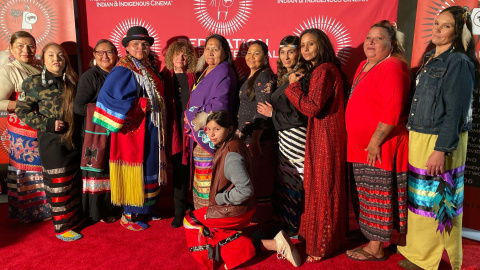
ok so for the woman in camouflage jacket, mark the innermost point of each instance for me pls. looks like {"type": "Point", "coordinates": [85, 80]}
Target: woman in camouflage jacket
{"type": "Point", "coordinates": [47, 106]}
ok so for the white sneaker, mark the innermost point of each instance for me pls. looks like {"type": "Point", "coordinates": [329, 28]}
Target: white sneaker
{"type": "Point", "coordinates": [286, 249]}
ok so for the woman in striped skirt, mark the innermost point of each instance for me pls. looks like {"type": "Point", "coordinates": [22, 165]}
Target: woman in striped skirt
{"type": "Point", "coordinates": [292, 127]}
{"type": "Point", "coordinates": [377, 139]}
{"type": "Point", "coordinates": [47, 106]}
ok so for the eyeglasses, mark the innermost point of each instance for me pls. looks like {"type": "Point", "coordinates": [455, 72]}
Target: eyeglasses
{"type": "Point", "coordinates": [101, 53]}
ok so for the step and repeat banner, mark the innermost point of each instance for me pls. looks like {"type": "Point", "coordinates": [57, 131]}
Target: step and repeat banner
{"type": "Point", "coordinates": [427, 11]}
{"type": "Point", "coordinates": [240, 21]}
{"type": "Point", "coordinates": [48, 21]}
{"type": "Point", "coordinates": [346, 22]}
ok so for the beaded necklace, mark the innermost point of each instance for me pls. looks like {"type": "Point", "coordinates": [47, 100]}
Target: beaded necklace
{"type": "Point", "coordinates": [359, 77]}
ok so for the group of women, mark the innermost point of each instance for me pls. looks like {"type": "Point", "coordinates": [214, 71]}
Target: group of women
{"type": "Point", "coordinates": [287, 147]}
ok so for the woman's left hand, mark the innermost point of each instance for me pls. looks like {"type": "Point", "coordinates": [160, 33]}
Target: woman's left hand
{"type": "Point", "coordinates": [265, 109]}
{"type": "Point", "coordinates": [374, 154]}
{"type": "Point", "coordinates": [436, 163]}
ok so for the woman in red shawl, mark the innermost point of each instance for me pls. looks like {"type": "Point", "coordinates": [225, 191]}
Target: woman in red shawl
{"type": "Point", "coordinates": [319, 95]}
{"type": "Point", "coordinates": [179, 77]}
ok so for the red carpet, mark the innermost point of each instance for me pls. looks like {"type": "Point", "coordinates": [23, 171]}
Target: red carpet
{"type": "Point", "coordinates": [109, 246]}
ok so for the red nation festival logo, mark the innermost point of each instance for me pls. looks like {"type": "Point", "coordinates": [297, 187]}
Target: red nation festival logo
{"type": "Point", "coordinates": [336, 32]}
{"type": "Point", "coordinates": [120, 31]}
{"type": "Point", "coordinates": [223, 17]}
{"type": "Point", "coordinates": [34, 16]}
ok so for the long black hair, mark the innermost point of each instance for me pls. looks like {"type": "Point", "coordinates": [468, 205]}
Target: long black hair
{"type": "Point", "coordinates": [266, 64]}
{"type": "Point", "coordinates": [462, 17]}
{"type": "Point", "coordinates": [325, 54]}
{"type": "Point", "coordinates": [223, 119]}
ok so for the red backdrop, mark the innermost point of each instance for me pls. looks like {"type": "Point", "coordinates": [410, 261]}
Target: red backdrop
{"type": "Point", "coordinates": [240, 21]}
{"type": "Point", "coordinates": [48, 21]}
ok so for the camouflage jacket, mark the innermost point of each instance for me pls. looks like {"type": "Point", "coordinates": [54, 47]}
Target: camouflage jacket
{"type": "Point", "coordinates": [39, 104]}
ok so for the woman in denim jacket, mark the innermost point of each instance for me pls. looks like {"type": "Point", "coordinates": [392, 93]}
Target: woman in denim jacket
{"type": "Point", "coordinates": [439, 120]}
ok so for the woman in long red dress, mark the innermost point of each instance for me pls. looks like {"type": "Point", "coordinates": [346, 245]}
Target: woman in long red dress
{"type": "Point", "coordinates": [319, 95]}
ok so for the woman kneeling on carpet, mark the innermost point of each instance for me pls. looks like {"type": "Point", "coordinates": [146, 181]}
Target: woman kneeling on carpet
{"type": "Point", "coordinates": [231, 205]}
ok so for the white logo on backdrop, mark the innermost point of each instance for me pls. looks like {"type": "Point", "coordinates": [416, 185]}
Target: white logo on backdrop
{"type": "Point", "coordinates": [34, 16]}
{"type": "Point", "coordinates": [336, 31]}
{"type": "Point", "coordinates": [223, 17]}
{"type": "Point", "coordinates": [120, 31]}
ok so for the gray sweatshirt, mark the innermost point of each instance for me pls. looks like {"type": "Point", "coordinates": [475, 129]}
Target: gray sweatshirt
{"type": "Point", "coordinates": [236, 172]}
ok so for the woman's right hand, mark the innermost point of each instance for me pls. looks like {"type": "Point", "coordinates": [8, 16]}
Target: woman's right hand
{"type": "Point", "coordinates": [295, 77]}
{"type": "Point", "coordinates": [265, 109]}
{"type": "Point", "coordinates": [60, 126]}
{"type": "Point", "coordinates": [436, 163]}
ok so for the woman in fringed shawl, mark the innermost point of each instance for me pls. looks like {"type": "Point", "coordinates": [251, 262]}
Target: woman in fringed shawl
{"type": "Point", "coordinates": [48, 107]}
{"type": "Point", "coordinates": [130, 105]}
{"type": "Point", "coordinates": [26, 193]}
{"type": "Point", "coordinates": [179, 76]}
{"type": "Point", "coordinates": [96, 197]}
{"type": "Point", "coordinates": [439, 120]}
{"type": "Point", "coordinates": [216, 89]}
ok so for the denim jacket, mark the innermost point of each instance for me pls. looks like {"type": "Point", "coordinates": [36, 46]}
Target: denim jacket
{"type": "Point", "coordinates": [442, 103]}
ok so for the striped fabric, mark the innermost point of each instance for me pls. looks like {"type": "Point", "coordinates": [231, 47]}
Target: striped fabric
{"type": "Point", "coordinates": [429, 234]}
{"type": "Point", "coordinates": [96, 185]}
{"type": "Point", "coordinates": [26, 195]}
{"type": "Point", "coordinates": [288, 189]}
{"type": "Point", "coordinates": [63, 189]}
{"type": "Point", "coordinates": [425, 196]}
{"type": "Point", "coordinates": [107, 118]}
{"type": "Point", "coordinates": [439, 197]}
{"type": "Point", "coordinates": [379, 191]}
{"type": "Point", "coordinates": [203, 162]}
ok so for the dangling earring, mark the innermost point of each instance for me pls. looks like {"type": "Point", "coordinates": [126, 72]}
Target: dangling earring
{"type": "Point", "coordinates": [64, 73]}
{"type": "Point", "coordinates": [44, 81]}
{"type": "Point", "coordinates": [466, 34]}
{"type": "Point", "coordinates": [94, 62]}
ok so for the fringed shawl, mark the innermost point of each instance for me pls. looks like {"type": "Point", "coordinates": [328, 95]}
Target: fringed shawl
{"type": "Point", "coordinates": [120, 110]}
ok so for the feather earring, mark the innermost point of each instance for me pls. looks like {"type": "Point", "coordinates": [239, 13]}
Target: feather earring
{"type": "Point", "coordinates": [466, 36]}
{"type": "Point", "coordinates": [64, 73]}
{"type": "Point", "coordinates": [400, 36]}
